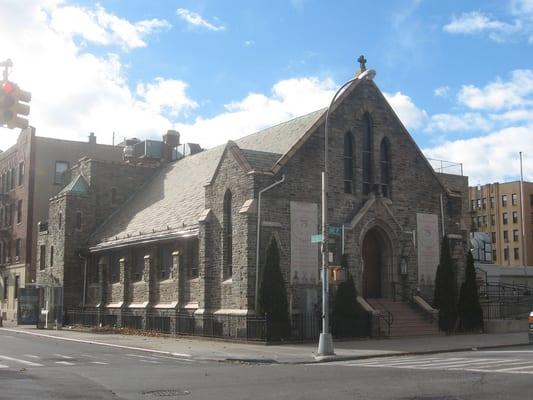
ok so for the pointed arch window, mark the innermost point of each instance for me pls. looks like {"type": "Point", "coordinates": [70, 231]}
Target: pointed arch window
{"type": "Point", "coordinates": [385, 167]}
{"type": "Point", "coordinates": [227, 239]}
{"type": "Point", "coordinates": [348, 163]}
{"type": "Point", "coordinates": [367, 154]}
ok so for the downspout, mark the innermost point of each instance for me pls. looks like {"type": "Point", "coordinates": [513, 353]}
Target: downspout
{"type": "Point", "coordinates": [84, 277]}
{"type": "Point", "coordinates": [258, 242]}
{"type": "Point", "coordinates": [442, 215]}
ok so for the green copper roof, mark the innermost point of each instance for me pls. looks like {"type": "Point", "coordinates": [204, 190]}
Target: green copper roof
{"type": "Point", "coordinates": [76, 186]}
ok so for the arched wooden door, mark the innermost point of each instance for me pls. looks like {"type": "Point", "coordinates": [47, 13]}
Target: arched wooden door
{"type": "Point", "coordinates": [372, 259]}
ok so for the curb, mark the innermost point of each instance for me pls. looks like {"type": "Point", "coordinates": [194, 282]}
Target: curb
{"type": "Point", "coordinates": [269, 361]}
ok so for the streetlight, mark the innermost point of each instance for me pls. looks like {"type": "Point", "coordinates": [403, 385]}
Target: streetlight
{"type": "Point", "coordinates": [325, 342]}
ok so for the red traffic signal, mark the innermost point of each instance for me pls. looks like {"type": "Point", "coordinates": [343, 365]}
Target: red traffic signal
{"type": "Point", "coordinates": [12, 100]}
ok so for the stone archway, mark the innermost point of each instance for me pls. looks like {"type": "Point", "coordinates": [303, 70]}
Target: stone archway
{"type": "Point", "coordinates": [376, 263]}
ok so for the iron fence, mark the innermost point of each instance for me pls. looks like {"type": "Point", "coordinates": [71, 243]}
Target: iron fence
{"type": "Point", "coordinates": [300, 327]}
{"type": "Point", "coordinates": [507, 309]}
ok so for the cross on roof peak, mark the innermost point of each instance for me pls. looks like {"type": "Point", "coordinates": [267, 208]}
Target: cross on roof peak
{"type": "Point", "coordinates": [362, 62]}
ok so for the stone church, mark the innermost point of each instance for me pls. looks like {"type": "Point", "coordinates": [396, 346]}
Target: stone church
{"type": "Point", "coordinates": [186, 231]}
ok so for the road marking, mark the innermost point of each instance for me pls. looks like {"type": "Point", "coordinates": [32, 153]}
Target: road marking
{"type": "Point", "coordinates": [99, 362]}
{"type": "Point", "coordinates": [504, 351]}
{"type": "Point", "coordinates": [3, 366]}
{"type": "Point", "coordinates": [514, 368]}
{"type": "Point", "coordinates": [64, 363]}
{"type": "Point", "coordinates": [502, 372]}
{"type": "Point", "coordinates": [393, 362]}
{"type": "Point", "coordinates": [29, 363]}
{"type": "Point", "coordinates": [31, 356]}
{"type": "Point", "coordinates": [118, 346]}
{"type": "Point", "coordinates": [470, 363]}
{"type": "Point", "coordinates": [139, 356]}
{"type": "Point", "coordinates": [62, 356]}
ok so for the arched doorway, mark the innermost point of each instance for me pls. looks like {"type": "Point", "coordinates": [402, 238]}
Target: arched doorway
{"type": "Point", "coordinates": [376, 257]}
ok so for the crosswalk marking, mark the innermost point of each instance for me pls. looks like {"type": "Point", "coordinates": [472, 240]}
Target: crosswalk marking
{"type": "Point", "coordinates": [99, 362]}
{"type": "Point", "coordinates": [29, 363]}
{"type": "Point", "coordinates": [445, 365]}
{"type": "Point", "coordinates": [31, 356]}
{"type": "Point", "coordinates": [62, 356]}
{"type": "Point", "coordinates": [65, 363]}
{"type": "Point", "coordinates": [412, 361]}
{"type": "Point", "coordinates": [3, 366]}
{"type": "Point", "coordinates": [514, 368]}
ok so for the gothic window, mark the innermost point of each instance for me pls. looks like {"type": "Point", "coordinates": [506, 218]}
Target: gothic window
{"type": "Point", "coordinates": [348, 163]}
{"type": "Point", "coordinates": [367, 154]}
{"type": "Point", "coordinates": [137, 267]}
{"type": "Point", "coordinates": [115, 268]}
{"type": "Point", "coordinates": [385, 166]}
{"type": "Point", "coordinates": [227, 239]}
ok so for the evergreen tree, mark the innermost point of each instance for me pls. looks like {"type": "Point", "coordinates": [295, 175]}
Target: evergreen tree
{"type": "Point", "coordinates": [345, 315]}
{"type": "Point", "coordinates": [469, 309]}
{"type": "Point", "coordinates": [444, 297]}
{"type": "Point", "coordinates": [273, 296]}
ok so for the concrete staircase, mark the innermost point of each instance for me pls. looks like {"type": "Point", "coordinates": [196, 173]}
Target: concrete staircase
{"type": "Point", "coordinates": [407, 321]}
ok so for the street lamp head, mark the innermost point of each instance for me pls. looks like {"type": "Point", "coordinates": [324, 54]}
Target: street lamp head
{"type": "Point", "coordinates": [368, 74]}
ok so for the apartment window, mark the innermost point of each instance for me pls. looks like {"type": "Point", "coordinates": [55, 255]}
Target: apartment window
{"type": "Point", "coordinates": [78, 220]}
{"type": "Point", "coordinates": [494, 255]}
{"type": "Point", "coordinates": [17, 249]}
{"type": "Point", "coordinates": [367, 154]}
{"type": "Point", "coordinates": [479, 221]}
{"type": "Point", "coordinates": [506, 254]}
{"type": "Point", "coordinates": [516, 253]}
{"type": "Point", "coordinates": [484, 220]}
{"type": "Point", "coordinates": [6, 283]}
{"type": "Point", "coordinates": [515, 217]}
{"type": "Point", "coordinates": [17, 284]}
{"type": "Point", "coordinates": [51, 256]}
{"type": "Point", "coordinates": [478, 203]}
{"type": "Point", "coordinates": [493, 237]}
{"type": "Point", "coordinates": [492, 202]}
{"type": "Point", "coordinates": [514, 199]}
{"type": "Point", "coordinates": [505, 218]}
{"type": "Point", "coordinates": [19, 211]}
{"type": "Point", "coordinates": [59, 176]}
{"type": "Point", "coordinates": [21, 173]}
{"type": "Point", "coordinates": [484, 203]}
{"type": "Point", "coordinates": [8, 251]}
{"type": "Point", "coordinates": [493, 219]}
{"type": "Point", "coordinates": [42, 258]}
{"type": "Point", "coordinates": [505, 236]}
{"type": "Point", "coordinates": [515, 235]}
{"type": "Point", "coordinates": [473, 205]}
{"type": "Point", "coordinates": [504, 200]}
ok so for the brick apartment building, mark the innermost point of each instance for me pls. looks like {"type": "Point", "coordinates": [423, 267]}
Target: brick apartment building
{"type": "Point", "coordinates": [32, 171]}
{"type": "Point", "coordinates": [183, 237]}
{"type": "Point", "coordinates": [496, 208]}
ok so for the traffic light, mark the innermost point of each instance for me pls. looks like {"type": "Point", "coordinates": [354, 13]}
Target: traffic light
{"type": "Point", "coordinates": [12, 100]}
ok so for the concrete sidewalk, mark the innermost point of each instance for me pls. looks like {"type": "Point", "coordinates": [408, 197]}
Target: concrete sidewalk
{"type": "Point", "coordinates": [212, 350]}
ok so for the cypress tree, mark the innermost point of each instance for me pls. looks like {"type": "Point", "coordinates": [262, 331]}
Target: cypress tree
{"type": "Point", "coordinates": [444, 297]}
{"type": "Point", "coordinates": [273, 296]}
{"type": "Point", "coordinates": [469, 309]}
{"type": "Point", "coordinates": [344, 321]}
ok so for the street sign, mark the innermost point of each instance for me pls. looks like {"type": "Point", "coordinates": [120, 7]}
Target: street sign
{"type": "Point", "coordinates": [316, 238]}
{"type": "Point", "coordinates": [335, 230]}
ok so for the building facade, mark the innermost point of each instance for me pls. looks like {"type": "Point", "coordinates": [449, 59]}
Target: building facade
{"type": "Point", "coordinates": [32, 171]}
{"type": "Point", "coordinates": [190, 236]}
{"type": "Point", "coordinates": [502, 211]}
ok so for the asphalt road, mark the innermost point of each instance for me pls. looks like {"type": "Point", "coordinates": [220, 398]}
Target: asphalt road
{"type": "Point", "coordinates": [42, 368]}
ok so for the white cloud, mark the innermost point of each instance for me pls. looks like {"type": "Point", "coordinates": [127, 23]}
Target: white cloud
{"type": "Point", "coordinates": [458, 123]}
{"type": "Point", "coordinates": [442, 91]}
{"type": "Point", "coordinates": [249, 43]}
{"type": "Point", "coordinates": [73, 91]}
{"type": "Point", "coordinates": [491, 158]}
{"type": "Point", "coordinates": [288, 99]}
{"type": "Point", "coordinates": [410, 115]}
{"type": "Point", "coordinates": [499, 94]}
{"type": "Point", "coordinates": [196, 19]}
{"type": "Point", "coordinates": [102, 28]}
{"type": "Point", "coordinates": [166, 95]}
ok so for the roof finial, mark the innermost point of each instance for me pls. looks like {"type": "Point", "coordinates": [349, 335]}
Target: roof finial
{"type": "Point", "coordinates": [362, 63]}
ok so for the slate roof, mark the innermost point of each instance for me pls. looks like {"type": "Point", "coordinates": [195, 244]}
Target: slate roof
{"type": "Point", "coordinates": [173, 200]}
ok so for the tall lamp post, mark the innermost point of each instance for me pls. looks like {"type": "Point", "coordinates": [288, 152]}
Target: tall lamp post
{"type": "Point", "coordinates": [325, 342]}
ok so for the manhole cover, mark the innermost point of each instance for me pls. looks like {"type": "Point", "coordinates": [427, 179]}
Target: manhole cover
{"type": "Point", "coordinates": [167, 393]}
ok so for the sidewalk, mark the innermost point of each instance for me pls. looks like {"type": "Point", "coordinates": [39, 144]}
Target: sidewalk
{"type": "Point", "coordinates": [203, 349]}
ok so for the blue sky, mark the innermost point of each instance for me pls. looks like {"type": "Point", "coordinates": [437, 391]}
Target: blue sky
{"type": "Point", "coordinates": [458, 73]}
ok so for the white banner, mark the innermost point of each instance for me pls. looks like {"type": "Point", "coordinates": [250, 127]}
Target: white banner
{"type": "Point", "coordinates": [427, 243]}
{"type": "Point", "coordinates": [304, 254]}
